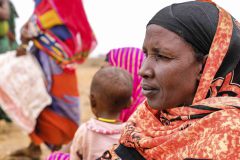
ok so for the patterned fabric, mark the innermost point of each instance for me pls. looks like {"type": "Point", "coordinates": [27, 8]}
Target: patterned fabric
{"type": "Point", "coordinates": [62, 85]}
{"type": "Point", "coordinates": [209, 128]}
{"type": "Point", "coordinates": [93, 138]}
{"type": "Point", "coordinates": [62, 36]}
{"type": "Point", "coordinates": [59, 156]}
{"type": "Point", "coordinates": [62, 31]}
{"type": "Point", "coordinates": [131, 60]}
{"type": "Point", "coordinates": [63, 115]}
{"type": "Point", "coordinates": [90, 140]}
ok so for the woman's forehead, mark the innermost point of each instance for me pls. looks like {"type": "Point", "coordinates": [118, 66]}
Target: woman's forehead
{"type": "Point", "coordinates": [157, 36]}
{"type": "Point", "coordinates": [156, 32]}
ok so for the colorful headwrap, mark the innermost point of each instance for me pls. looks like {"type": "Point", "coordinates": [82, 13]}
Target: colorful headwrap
{"type": "Point", "coordinates": [130, 59]}
{"type": "Point", "coordinates": [62, 31]}
{"type": "Point", "coordinates": [210, 127]}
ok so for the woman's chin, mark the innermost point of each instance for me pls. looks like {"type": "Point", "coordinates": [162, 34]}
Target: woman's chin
{"type": "Point", "coordinates": [154, 105]}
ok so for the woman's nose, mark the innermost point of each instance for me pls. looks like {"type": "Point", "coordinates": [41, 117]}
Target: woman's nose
{"type": "Point", "coordinates": [145, 70]}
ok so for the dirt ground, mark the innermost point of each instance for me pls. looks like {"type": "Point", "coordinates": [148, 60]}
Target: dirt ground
{"type": "Point", "coordinates": [12, 138]}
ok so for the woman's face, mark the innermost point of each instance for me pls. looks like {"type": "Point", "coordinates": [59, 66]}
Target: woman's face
{"type": "Point", "coordinates": [170, 70]}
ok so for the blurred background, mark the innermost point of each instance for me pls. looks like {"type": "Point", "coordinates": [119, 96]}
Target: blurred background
{"type": "Point", "coordinates": [118, 23]}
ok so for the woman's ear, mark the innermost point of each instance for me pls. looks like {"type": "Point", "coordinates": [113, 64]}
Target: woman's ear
{"type": "Point", "coordinates": [201, 67]}
{"type": "Point", "coordinates": [205, 59]}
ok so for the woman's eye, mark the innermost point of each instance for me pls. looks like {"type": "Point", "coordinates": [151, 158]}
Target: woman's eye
{"type": "Point", "coordinates": [162, 57]}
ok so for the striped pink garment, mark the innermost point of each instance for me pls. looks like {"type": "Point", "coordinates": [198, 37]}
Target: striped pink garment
{"type": "Point", "coordinates": [130, 59]}
{"type": "Point", "coordinates": [59, 156]}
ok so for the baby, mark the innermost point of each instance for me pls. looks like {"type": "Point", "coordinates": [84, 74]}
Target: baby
{"type": "Point", "coordinates": [110, 93]}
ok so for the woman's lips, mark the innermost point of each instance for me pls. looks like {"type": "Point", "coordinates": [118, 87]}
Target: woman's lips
{"type": "Point", "coordinates": [149, 91]}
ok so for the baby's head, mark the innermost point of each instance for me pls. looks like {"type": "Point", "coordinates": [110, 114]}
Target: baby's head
{"type": "Point", "coordinates": [111, 91]}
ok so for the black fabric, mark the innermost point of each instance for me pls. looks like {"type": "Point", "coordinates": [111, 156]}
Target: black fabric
{"type": "Point", "coordinates": [4, 116]}
{"type": "Point", "coordinates": [126, 153]}
{"type": "Point", "coordinates": [196, 22]}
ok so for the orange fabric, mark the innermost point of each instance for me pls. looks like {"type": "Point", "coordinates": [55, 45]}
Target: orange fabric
{"type": "Point", "coordinates": [70, 88]}
{"type": "Point", "coordinates": [158, 135]}
{"type": "Point", "coordinates": [216, 54]}
{"type": "Point", "coordinates": [201, 138]}
{"type": "Point", "coordinates": [35, 138]}
{"type": "Point", "coordinates": [53, 129]}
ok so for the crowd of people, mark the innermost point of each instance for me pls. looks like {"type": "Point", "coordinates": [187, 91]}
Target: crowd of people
{"type": "Point", "coordinates": [176, 98]}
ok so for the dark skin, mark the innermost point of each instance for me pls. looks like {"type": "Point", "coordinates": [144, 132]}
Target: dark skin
{"type": "Point", "coordinates": [11, 36]}
{"type": "Point", "coordinates": [170, 70]}
{"type": "Point", "coordinates": [99, 109]}
{"type": "Point", "coordinates": [100, 103]}
{"type": "Point", "coordinates": [25, 38]}
{"type": "Point", "coordinates": [4, 10]}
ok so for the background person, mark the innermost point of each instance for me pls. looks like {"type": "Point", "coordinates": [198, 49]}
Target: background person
{"type": "Point", "coordinates": [4, 26]}
{"type": "Point", "coordinates": [7, 35]}
{"type": "Point", "coordinates": [12, 26]}
{"type": "Point", "coordinates": [130, 59]}
{"type": "Point", "coordinates": [8, 15]}
{"type": "Point", "coordinates": [62, 37]}
{"type": "Point", "coordinates": [111, 91]}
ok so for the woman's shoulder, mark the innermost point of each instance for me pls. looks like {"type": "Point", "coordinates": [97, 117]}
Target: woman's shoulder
{"type": "Point", "coordinates": [222, 121]}
{"type": "Point", "coordinates": [226, 118]}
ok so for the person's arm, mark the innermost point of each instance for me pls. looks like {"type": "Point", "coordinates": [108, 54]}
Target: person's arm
{"type": "Point", "coordinates": [4, 10]}
{"type": "Point", "coordinates": [25, 38]}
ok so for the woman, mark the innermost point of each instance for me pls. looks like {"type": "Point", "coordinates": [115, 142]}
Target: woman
{"type": "Point", "coordinates": [130, 59]}
{"type": "Point", "coordinates": [8, 15]}
{"type": "Point", "coordinates": [62, 36]}
{"type": "Point", "coordinates": [4, 41]}
{"type": "Point", "coordinates": [4, 26]}
{"type": "Point", "coordinates": [191, 81]}
{"type": "Point", "coordinates": [12, 26]}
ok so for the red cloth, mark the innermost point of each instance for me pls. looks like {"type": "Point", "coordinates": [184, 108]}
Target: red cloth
{"type": "Point", "coordinates": [63, 30]}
